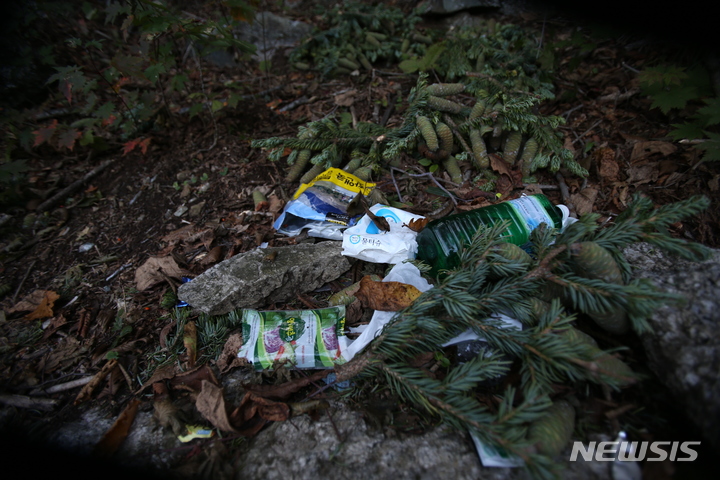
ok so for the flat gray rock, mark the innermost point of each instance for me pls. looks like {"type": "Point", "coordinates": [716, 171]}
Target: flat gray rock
{"type": "Point", "coordinates": [264, 276]}
{"type": "Point", "coordinates": [346, 447]}
{"type": "Point", "coordinates": [684, 347]}
{"type": "Point", "coordinates": [270, 32]}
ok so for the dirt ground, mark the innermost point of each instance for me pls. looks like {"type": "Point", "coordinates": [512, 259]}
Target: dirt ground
{"type": "Point", "coordinates": [190, 198]}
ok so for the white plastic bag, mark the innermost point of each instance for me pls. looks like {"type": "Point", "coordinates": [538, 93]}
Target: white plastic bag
{"type": "Point", "coordinates": [403, 273]}
{"type": "Point", "coordinates": [366, 242]}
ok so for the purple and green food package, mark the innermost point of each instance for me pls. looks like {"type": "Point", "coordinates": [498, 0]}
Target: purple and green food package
{"type": "Point", "coordinates": [303, 338]}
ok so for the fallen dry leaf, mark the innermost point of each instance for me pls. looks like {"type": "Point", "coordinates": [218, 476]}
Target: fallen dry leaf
{"type": "Point", "coordinates": [213, 256]}
{"type": "Point", "coordinates": [190, 343]}
{"type": "Point", "coordinates": [55, 324]}
{"type": "Point", "coordinates": [211, 405]}
{"type": "Point", "coordinates": [276, 204]}
{"type": "Point", "coordinates": [32, 301]}
{"type": "Point", "coordinates": [638, 175]}
{"type": "Point", "coordinates": [532, 189]}
{"type": "Point", "coordinates": [229, 359]}
{"type": "Point", "coordinates": [114, 437]}
{"type": "Point", "coordinates": [284, 390]}
{"type": "Point", "coordinates": [193, 380]}
{"type": "Point", "coordinates": [346, 99]}
{"type": "Point", "coordinates": [584, 200]}
{"type": "Point", "coordinates": [179, 235]}
{"type": "Point", "coordinates": [386, 296]}
{"type": "Point", "coordinates": [270, 410]}
{"type": "Point", "coordinates": [254, 411]}
{"type": "Point", "coordinates": [500, 165]}
{"type": "Point", "coordinates": [66, 352]}
{"type": "Point", "coordinates": [166, 372]}
{"type": "Point", "coordinates": [645, 149]}
{"type": "Point", "coordinates": [608, 168]}
{"type": "Point", "coordinates": [90, 387]}
{"type": "Point", "coordinates": [154, 271]}
{"type": "Point", "coordinates": [165, 411]}
{"type": "Point", "coordinates": [504, 185]}
{"type": "Point", "coordinates": [417, 224]}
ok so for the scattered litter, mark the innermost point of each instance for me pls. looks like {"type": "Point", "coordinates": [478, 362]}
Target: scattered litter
{"type": "Point", "coordinates": [181, 303]}
{"type": "Point", "coordinates": [403, 273]}
{"type": "Point", "coordinates": [441, 241]}
{"type": "Point", "coordinates": [195, 431]}
{"type": "Point", "coordinates": [304, 338]}
{"type": "Point", "coordinates": [491, 456]}
{"type": "Point", "coordinates": [470, 345]}
{"type": "Point", "coordinates": [622, 468]}
{"type": "Point", "coordinates": [339, 386]}
{"type": "Point", "coordinates": [85, 247]}
{"type": "Point", "coordinates": [321, 205]}
{"type": "Point", "coordinates": [366, 242]}
{"type": "Point", "coordinates": [181, 210]}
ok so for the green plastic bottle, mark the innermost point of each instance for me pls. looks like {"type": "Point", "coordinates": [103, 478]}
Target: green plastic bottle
{"type": "Point", "coordinates": [440, 242]}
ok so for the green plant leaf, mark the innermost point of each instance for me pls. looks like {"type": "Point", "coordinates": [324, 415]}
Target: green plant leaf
{"type": "Point", "coordinates": [671, 98]}
{"type": "Point", "coordinates": [128, 65]}
{"type": "Point", "coordinates": [425, 63]}
{"type": "Point", "coordinates": [663, 75]}
{"type": "Point", "coordinates": [177, 82]}
{"type": "Point", "coordinates": [153, 72]}
{"type": "Point", "coordinates": [216, 105]}
{"type": "Point", "coordinates": [105, 111]}
{"type": "Point", "coordinates": [67, 138]}
{"type": "Point", "coordinates": [710, 147]}
{"type": "Point", "coordinates": [233, 100]}
{"type": "Point", "coordinates": [686, 130]}
{"type": "Point", "coordinates": [195, 109]}
{"type": "Point", "coordinates": [710, 113]}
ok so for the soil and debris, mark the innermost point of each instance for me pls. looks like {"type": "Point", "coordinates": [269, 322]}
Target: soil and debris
{"type": "Point", "coordinates": [86, 320]}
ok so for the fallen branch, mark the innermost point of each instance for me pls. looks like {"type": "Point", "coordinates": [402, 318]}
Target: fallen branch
{"type": "Point", "coordinates": [61, 387]}
{"type": "Point", "coordinates": [23, 401]}
{"type": "Point", "coordinates": [70, 189]}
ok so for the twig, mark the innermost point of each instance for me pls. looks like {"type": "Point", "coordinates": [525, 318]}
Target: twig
{"type": "Point", "coordinates": [612, 414]}
{"type": "Point", "coordinates": [23, 281]}
{"type": "Point", "coordinates": [27, 402]}
{"type": "Point", "coordinates": [587, 131]}
{"type": "Point", "coordinates": [296, 103]}
{"type": "Point", "coordinates": [117, 272]}
{"type": "Point", "coordinates": [306, 301]}
{"type": "Point", "coordinates": [564, 190]}
{"type": "Point", "coordinates": [634, 70]}
{"type": "Point", "coordinates": [542, 187]}
{"type": "Point", "coordinates": [568, 112]}
{"type": "Point", "coordinates": [426, 174]}
{"type": "Point", "coordinates": [63, 386]}
{"type": "Point", "coordinates": [67, 191]}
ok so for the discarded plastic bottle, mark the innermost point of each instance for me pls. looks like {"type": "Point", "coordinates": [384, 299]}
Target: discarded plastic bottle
{"type": "Point", "coordinates": [440, 242]}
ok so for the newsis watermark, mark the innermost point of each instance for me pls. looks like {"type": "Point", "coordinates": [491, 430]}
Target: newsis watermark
{"type": "Point", "coordinates": [625, 451]}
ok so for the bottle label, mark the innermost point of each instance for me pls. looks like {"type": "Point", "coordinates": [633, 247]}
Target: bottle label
{"type": "Point", "coordinates": [531, 211]}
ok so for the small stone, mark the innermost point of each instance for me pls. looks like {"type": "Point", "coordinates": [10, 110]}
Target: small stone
{"type": "Point", "coordinates": [264, 276]}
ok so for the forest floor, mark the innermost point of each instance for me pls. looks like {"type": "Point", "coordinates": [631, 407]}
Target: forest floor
{"type": "Point", "coordinates": [189, 196]}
